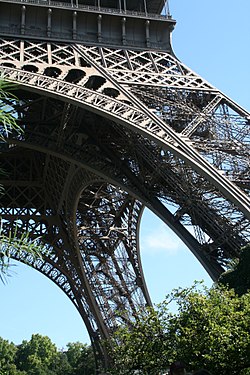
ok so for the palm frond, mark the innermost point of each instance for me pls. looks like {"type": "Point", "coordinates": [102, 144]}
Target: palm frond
{"type": "Point", "coordinates": [6, 88]}
{"type": "Point", "coordinates": [8, 117]}
{"type": "Point", "coordinates": [20, 247]}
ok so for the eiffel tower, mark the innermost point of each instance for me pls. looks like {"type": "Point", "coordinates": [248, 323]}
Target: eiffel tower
{"type": "Point", "coordinates": [113, 122]}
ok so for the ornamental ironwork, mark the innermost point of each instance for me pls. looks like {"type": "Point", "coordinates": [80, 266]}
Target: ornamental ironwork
{"type": "Point", "coordinates": [113, 122]}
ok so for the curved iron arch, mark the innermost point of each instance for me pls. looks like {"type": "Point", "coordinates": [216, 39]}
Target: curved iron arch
{"type": "Point", "coordinates": [118, 111]}
{"type": "Point", "coordinates": [116, 176]}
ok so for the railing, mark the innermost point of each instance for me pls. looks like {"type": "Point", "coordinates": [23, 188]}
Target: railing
{"type": "Point", "coordinates": [92, 8]}
{"type": "Point", "coordinates": [14, 30]}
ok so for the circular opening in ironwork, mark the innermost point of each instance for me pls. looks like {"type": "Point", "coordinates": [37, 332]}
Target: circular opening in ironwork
{"type": "Point", "coordinates": [30, 68]}
{"type": "Point", "coordinates": [109, 91]}
{"type": "Point", "coordinates": [8, 65]}
{"type": "Point", "coordinates": [52, 71]}
{"type": "Point", "coordinates": [95, 82]}
{"type": "Point", "coordinates": [74, 75]}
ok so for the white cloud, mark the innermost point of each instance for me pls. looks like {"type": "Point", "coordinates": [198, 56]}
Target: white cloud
{"type": "Point", "coordinates": [160, 239]}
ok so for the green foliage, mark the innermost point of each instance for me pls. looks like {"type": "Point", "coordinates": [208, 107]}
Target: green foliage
{"type": "Point", "coordinates": [36, 356]}
{"type": "Point", "coordinates": [8, 122]}
{"type": "Point", "coordinates": [140, 348]}
{"type": "Point", "coordinates": [238, 277]}
{"type": "Point", "coordinates": [16, 240]}
{"type": "Point", "coordinates": [7, 354]}
{"type": "Point", "coordinates": [74, 351]}
{"type": "Point", "coordinates": [61, 365]}
{"type": "Point", "coordinates": [210, 329]}
{"type": "Point", "coordinates": [39, 356]}
{"type": "Point", "coordinates": [80, 357]}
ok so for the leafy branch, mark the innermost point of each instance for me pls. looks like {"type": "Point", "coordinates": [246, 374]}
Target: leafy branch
{"type": "Point", "coordinates": [8, 122]}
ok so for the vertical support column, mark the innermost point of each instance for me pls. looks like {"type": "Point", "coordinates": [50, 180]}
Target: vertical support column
{"type": "Point", "coordinates": [77, 62]}
{"type": "Point", "coordinates": [21, 51]}
{"type": "Point", "coordinates": [23, 16]}
{"type": "Point", "coordinates": [147, 25]}
{"type": "Point", "coordinates": [74, 34]}
{"type": "Point", "coordinates": [145, 7]}
{"type": "Point", "coordinates": [49, 18]}
{"type": "Point", "coordinates": [99, 30]}
{"type": "Point", "coordinates": [124, 37]}
{"type": "Point", "coordinates": [49, 53]}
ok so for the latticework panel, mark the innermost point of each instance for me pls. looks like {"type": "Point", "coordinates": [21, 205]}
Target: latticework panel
{"type": "Point", "coordinates": [106, 222]}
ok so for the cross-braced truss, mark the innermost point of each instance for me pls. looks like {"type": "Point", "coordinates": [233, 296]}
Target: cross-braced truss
{"type": "Point", "coordinates": [106, 132]}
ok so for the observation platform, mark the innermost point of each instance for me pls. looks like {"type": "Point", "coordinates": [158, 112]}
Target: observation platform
{"type": "Point", "coordinates": [136, 24]}
{"type": "Point", "coordinates": [151, 6]}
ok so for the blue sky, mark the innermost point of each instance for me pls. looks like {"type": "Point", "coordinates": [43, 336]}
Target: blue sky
{"type": "Point", "coordinates": [212, 38]}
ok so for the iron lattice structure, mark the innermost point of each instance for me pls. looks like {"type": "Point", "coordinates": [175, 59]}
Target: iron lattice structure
{"type": "Point", "coordinates": [110, 126]}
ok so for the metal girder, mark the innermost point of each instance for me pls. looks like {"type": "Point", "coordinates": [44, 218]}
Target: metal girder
{"type": "Point", "coordinates": [144, 121]}
{"type": "Point", "coordinates": [106, 132]}
{"type": "Point", "coordinates": [92, 258]}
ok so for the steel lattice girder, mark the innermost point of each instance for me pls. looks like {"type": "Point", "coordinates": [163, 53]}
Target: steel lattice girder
{"type": "Point", "coordinates": [107, 131]}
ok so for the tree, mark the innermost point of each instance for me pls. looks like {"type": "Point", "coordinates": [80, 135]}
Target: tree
{"type": "Point", "coordinates": [7, 355]}
{"type": "Point", "coordinates": [7, 358]}
{"type": "Point", "coordinates": [73, 353]}
{"type": "Point", "coordinates": [61, 365]}
{"type": "Point", "coordinates": [39, 356]}
{"type": "Point", "coordinates": [210, 329]}
{"type": "Point", "coordinates": [81, 358]}
{"type": "Point", "coordinates": [36, 356]}
{"type": "Point", "coordinates": [238, 277]}
{"type": "Point", "coordinates": [140, 347]}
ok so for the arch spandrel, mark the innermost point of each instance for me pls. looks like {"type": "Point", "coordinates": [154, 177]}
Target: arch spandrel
{"type": "Point", "coordinates": [123, 113]}
{"type": "Point", "coordinates": [88, 154]}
